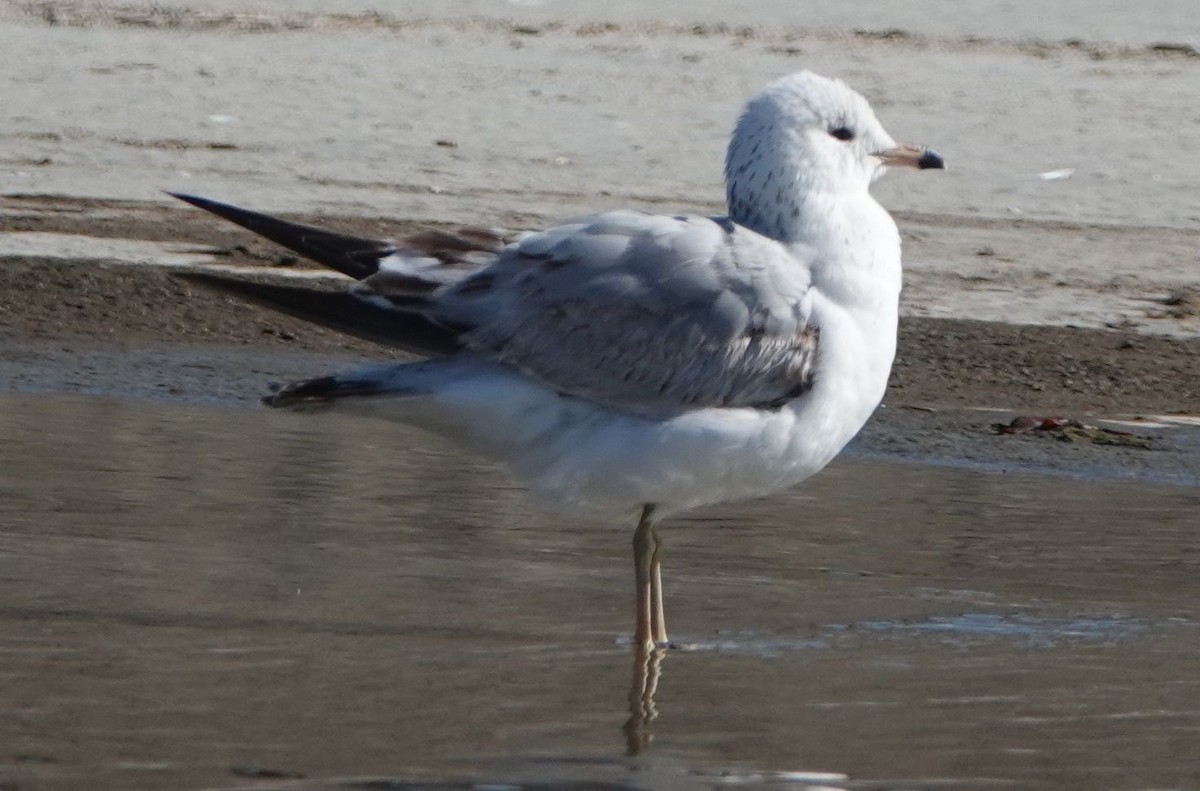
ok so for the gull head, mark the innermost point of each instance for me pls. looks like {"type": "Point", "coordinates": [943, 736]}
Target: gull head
{"type": "Point", "coordinates": [806, 134]}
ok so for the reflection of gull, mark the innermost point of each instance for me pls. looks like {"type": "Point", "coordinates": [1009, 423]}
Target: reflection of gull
{"type": "Point", "coordinates": [629, 365]}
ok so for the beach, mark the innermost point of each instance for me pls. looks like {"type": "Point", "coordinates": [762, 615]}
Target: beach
{"type": "Point", "coordinates": [199, 594]}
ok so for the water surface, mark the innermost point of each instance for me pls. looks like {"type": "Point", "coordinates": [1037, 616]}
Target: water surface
{"type": "Point", "coordinates": [198, 597]}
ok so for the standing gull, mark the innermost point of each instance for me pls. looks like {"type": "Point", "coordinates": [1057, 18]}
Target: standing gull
{"type": "Point", "coordinates": [629, 366]}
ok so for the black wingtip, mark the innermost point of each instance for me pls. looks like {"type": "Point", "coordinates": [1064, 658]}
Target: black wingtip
{"type": "Point", "coordinates": [337, 310]}
{"type": "Point", "coordinates": [215, 207]}
{"type": "Point", "coordinates": [351, 255]}
{"type": "Point", "coordinates": [309, 391]}
{"type": "Point", "coordinates": [195, 200]}
{"type": "Point", "coordinates": [321, 391]}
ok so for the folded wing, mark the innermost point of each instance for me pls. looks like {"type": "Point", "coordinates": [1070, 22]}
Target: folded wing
{"type": "Point", "coordinates": [648, 314]}
{"type": "Point", "coordinates": [645, 313]}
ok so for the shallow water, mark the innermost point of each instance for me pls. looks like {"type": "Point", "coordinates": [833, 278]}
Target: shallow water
{"type": "Point", "coordinates": [198, 596]}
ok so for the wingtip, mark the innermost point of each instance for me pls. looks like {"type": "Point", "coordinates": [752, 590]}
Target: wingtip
{"type": "Point", "coordinates": [207, 204]}
{"type": "Point", "coordinates": [309, 392]}
{"type": "Point", "coordinates": [322, 391]}
{"type": "Point", "coordinates": [341, 311]}
{"type": "Point", "coordinates": [351, 255]}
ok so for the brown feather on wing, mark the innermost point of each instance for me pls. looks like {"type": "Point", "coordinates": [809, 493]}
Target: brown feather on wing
{"type": "Point", "coordinates": [451, 247]}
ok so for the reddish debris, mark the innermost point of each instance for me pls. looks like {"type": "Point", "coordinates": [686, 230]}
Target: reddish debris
{"type": "Point", "coordinates": [1026, 423]}
{"type": "Point", "coordinates": [1067, 429]}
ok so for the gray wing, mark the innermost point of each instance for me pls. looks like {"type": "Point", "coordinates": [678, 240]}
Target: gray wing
{"type": "Point", "coordinates": [649, 314]}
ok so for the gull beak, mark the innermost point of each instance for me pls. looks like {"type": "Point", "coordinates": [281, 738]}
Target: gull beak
{"type": "Point", "coordinates": [918, 157]}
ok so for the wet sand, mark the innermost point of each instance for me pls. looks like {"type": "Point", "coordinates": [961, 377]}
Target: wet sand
{"type": "Point", "coordinates": [197, 593]}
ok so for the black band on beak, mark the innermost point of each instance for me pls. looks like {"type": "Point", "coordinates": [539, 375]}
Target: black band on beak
{"type": "Point", "coordinates": [931, 160]}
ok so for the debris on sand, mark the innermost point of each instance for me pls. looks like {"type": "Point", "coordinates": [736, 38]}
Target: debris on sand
{"type": "Point", "coordinates": [1067, 429]}
{"type": "Point", "coordinates": [1182, 303]}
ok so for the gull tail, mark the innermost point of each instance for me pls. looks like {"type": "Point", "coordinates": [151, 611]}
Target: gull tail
{"type": "Point", "coordinates": [485, 406]}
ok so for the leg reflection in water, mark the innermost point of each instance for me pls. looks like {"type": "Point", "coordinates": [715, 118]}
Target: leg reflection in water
{"type": "Point", "coordinates": [647, 668]}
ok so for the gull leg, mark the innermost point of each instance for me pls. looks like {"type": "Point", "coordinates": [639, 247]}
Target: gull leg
{"type": "Point", "coordinates": [658, 620]}
{"type": "Point", "coordinates": [650, 635]}
{"type": "Point", "coordinates": [644, 550]}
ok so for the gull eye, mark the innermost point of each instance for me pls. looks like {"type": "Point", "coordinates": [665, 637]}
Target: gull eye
{"type": "Point", "coordinates": [842, 133]}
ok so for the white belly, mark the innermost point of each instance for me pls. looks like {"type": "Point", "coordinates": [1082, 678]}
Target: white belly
{"type": "Point", "coordinates": [609, 471]}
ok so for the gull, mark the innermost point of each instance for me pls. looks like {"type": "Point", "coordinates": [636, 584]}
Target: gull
{"type": "Point", "coordinates": [626, 366]}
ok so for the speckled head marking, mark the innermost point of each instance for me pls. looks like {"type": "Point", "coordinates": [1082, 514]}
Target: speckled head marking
{"type": "Point", "coordinates": [802, 137]}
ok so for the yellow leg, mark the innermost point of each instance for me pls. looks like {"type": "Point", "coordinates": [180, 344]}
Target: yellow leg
{"type": "Point", "coordinates": [650, 634]}
{"type": "Point", "coordinates": [644, 551]}
{"type": "Point", "coordinates": [658, 620]}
